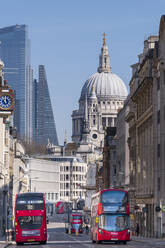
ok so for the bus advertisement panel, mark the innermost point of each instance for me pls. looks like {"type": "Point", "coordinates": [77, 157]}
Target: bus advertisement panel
{"type": "Point", "coordinates": [30, 218]}
{"type": "Point", "coordinates": [110, 216]}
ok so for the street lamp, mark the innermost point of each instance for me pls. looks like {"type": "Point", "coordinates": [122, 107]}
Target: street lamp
{"type": "Point", "coordinates": [30, 184]}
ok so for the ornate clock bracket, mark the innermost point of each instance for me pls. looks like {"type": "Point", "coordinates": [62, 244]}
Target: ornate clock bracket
{"type": "Point", "coordinates": [7, 102]}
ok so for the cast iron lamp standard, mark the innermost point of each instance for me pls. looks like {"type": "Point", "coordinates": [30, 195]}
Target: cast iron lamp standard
{"type": "Point", "coordinates": [30, 182]}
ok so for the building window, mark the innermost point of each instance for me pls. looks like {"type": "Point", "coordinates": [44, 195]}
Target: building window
{"type": "Point", "coordinates": [104, 122]}
{"type": "Point", "coordinates": [115, 122]}
{"type": "Point", "coordinates": [158, 183]}
{"type": "Point", "coordinates": [67, 185]}
{"type": "Point", "coordinates": [158, 83]}
{"type": "Point", "coordinates": [109, 121]}
{"type": "Point", "coordinates": [158, 116]}
{"type": "Point", "coordinates": [6, 160]}
{"type": "Point", "coordinates": [94, 120]}
{"type": "Point", "coordinates": [52, 196]}
{"type": "Point", "coordinates": [158, 151]}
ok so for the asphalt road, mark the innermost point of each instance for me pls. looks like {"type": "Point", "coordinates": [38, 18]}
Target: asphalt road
{"type": "Point", "coordinates": [59, 239]}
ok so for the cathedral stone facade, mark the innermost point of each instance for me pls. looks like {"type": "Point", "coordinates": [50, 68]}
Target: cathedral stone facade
{"type": "Point", "coordinates": [102, 96]}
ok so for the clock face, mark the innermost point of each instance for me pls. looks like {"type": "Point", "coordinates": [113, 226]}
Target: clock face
{"type": "Point", "coordinates": [5, 101]}
{"type": "Point", "coordinates": [94, 136]}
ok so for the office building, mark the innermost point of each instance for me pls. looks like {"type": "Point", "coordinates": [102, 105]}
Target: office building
{"type": "Point", "coordinates": [43, 118]}
{"type": "Point", "coordinates": [15, 53]}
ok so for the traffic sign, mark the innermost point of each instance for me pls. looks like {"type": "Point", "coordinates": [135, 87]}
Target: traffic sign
{"type": "Point", "coordinates": [163, 207]}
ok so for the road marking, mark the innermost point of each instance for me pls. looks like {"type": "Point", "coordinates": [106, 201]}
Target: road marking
{"type": "Point", "coordinates": [68, 241]}
{"type": "Point", "coordinates": [48, 235]}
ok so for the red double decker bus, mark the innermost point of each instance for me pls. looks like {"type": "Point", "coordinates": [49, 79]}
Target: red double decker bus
{"type": "Point", "coordinates": [30, 218]}
{"type": "Point", "coordinates": [110, 216]}
{"type": "Point", "coordinates": [76, 222]}
{"type": "Point", "coordinates": [60, 207]}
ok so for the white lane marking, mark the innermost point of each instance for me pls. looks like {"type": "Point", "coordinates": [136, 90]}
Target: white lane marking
{"type": "Point", "coordinates": [48, 235]}
{"type": "Point", "coordinates": [68, 241]}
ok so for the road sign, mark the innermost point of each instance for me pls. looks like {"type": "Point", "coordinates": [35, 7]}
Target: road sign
{"type": "Point", "coordinates": [163, 207]}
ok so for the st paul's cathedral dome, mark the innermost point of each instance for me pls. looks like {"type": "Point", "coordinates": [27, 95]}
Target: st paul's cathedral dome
{"type": "Point", "coordinates": [107, 84]}
{"type": "Point", "coordinates": [102, 96]}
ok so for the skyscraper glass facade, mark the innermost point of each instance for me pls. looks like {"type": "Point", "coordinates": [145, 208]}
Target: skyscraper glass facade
{"type": "Point", "coordinates": [43, 125]}
{"type": "Point", "coordinates": [15, 53]}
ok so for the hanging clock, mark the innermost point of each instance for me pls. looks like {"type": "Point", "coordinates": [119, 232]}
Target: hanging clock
{"type": "Point", "coordinates": [6, 100]}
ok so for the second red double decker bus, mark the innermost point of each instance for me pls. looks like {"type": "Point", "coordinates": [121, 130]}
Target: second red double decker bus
{"type": "Point", "coordinates": [60, 207]}
{"type": "Point", "coordinates": [110, 216]}
{"type": "Point", "coordinates": [30, 218]}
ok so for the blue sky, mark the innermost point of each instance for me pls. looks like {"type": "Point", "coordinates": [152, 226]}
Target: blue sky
{"type": "Point", "coordinates": [66, 36]}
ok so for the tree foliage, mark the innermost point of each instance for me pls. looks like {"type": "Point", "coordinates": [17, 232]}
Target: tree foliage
{"type": "Point", "coordinates": [34, 148]}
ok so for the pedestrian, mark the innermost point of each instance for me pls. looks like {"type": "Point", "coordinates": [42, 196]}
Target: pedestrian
{"type": "Point", "coordinates": [137, 229]}
{"type": "Point", "coordinates": [86, 229]}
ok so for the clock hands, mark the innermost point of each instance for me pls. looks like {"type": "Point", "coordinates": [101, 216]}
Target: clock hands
{"type": "Point", "coordinates": [5, 100]}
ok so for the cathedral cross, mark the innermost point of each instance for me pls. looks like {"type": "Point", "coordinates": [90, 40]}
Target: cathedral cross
{"type": "Point", "coordinates": [104, 39]}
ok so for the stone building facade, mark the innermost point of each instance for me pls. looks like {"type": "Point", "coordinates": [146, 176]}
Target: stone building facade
{"type": "Point", "coordinates": [8, 167]}
{"type": "Point", "coordinates": [141, 138]}
{"type": "Point", "coordinates": [159, 132]}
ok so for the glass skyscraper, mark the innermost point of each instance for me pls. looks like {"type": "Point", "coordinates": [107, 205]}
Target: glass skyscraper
{"type": "Point", "coordinates": [15, 53]}
{"type": "Point", "coordinates": [43, 119]}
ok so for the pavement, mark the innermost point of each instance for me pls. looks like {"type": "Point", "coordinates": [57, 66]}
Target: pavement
{"type": "Point", "coordinates": [4, 243]}
{"type": "Point", "coordinates": [148, 240]}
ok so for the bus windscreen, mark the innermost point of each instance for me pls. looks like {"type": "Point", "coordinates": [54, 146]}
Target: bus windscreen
{"type": "Point", "coordinates": [114, 197]}
{"type": "Point", "coordinates": [30, 222]}
{"type": "Point", "coordinates": [114, 222]}
{"type": "Point", "coordinates": [30, 203]}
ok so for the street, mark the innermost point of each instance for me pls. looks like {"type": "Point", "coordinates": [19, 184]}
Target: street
{"type": "Point", "coordinates": [59, 239]}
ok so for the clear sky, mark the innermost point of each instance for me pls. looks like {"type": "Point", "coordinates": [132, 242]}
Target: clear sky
{"type": "Point", "coordinates": [66, 36]}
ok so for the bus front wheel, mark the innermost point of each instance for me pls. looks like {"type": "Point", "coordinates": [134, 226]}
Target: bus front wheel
{"type": "Point", "coordinates": [19, 243]}
{"type": "Point", "coordinates": [43, 242]}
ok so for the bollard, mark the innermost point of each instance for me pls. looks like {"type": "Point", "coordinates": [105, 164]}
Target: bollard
{"type": "Point", "coordinates": [7, 235]}
{"type": "Point", "coordinates": [76, 231]}
{"type": "Point", "coordinates": [13, 235]}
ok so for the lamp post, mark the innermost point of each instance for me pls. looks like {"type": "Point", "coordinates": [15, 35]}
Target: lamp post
{"type": "Point", "coordinates": [71, 167]}
{"type": "Point", "coordinates": [30, 182]}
